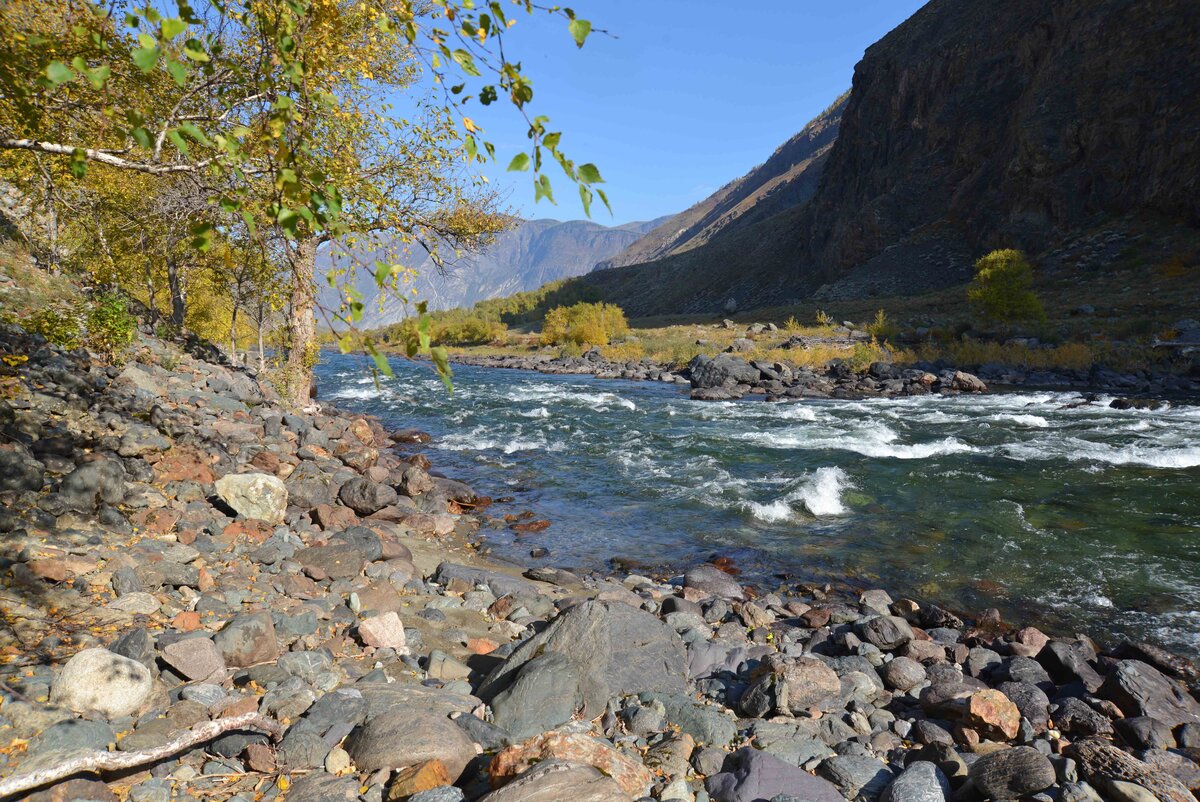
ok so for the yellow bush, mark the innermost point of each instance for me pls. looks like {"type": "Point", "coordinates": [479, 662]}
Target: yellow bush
{"type": "Point", "coordinates": [1003, 288]}
{"type": "Point", "coordinates": [584, 323]}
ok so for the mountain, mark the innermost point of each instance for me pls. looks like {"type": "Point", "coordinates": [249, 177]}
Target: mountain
{"type": "Point", "coordinates": [787, 179]}
{"type": "Point", "coordinates": [531, 254]}
{"type": "Point", "coordinates": [1056, 126]}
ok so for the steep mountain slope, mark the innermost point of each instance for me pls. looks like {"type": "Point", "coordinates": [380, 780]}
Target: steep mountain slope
{"type": "Point", "coordinates": [787, 179]}
{"type": "Point", "coordinates": [533, 253]}
{"type": "Point", "coordinates": [1038, 124]}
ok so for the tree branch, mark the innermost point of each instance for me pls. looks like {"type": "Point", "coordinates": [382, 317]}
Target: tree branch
{"type": "Point", "coordinates": [101, 156]}
{"type": "Point", "coordinates": [119, 761]}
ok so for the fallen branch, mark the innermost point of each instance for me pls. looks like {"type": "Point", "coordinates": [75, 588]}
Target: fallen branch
{"type": "Point", "coordinates": [119, 761]}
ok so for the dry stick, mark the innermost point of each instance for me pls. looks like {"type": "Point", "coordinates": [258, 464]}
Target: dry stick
{"type": "Point", "coordinates": [118, 761]}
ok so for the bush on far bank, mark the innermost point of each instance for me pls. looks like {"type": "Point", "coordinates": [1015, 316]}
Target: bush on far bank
{"type": "Point", "coordinates": [584, 323]}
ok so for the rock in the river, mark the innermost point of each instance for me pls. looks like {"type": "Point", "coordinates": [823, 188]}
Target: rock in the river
{"type": "Point", "coordinates": [616, 649]}
{"type": "Point", "coordinates": [1011, 773]}
{"type": "Point", "coordinates": [254, 495]}
{"type": "Point", "coordinates": [248, 639]}
{"type": "Point", "coordinates": [97, 680]}
{"type": "Point", "coordinates": [921, 782]}
{"type": "Point", "coordinates": [407, 736]}
{"type": "Point", "coordinates": [721, 371]}
{"type": "Point", "coordinates": [1140, 689]}
{"type": "Point", "coordinates": [556, 781]}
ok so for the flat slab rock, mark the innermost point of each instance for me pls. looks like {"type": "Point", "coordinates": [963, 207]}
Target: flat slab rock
{"type": "Point", "coordinates": [556, 781]}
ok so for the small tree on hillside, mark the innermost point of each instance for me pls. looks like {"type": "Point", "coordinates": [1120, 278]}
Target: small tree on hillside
{"type": "Point", "coordinates": [1003, 288]}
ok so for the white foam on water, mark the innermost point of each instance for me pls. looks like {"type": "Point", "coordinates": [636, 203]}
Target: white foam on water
{"type": "Point", "coordinates": [359, 393]}
{"type": "Point", "coordinates": [1034, 421]}
{"type": "Point", "coordinates": [819, 492]}
{"type": "Point", "coordinates": [540, 412]}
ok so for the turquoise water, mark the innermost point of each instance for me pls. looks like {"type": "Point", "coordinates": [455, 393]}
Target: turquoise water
{"type": "Point", "coordinates": [1079, 519]}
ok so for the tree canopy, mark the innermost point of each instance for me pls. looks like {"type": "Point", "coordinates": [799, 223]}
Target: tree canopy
{"type": "Point", "coordinates": [219, 144]}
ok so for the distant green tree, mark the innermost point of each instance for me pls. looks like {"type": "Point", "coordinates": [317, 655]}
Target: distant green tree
{"type": "Point", "coordinates": [1003, 288]}
{"type": "Point", "coordinates": [584, 324]}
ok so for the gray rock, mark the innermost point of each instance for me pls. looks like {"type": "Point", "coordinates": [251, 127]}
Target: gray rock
{"type": "Point", "coordinates": [1140, 689]}
{"type": "Point", "coordinates": [309, 486]}
{"type": "Point", "coordinates": [447, 793]}
{"type": "Point", "coordinates": [1011, 773]}
{"type": "Point", "coordinates": [705, 723]}
{"type": "Point", "coordinates": [498, 583]}
{"type": "Point", "coordinates": [406, 737]}
{"type": "Point", "coordinates": [97, 680]}
{"type": "Point", "coordinates": [335, 561]}
{"type": "Point", "coordinates": [544, 694]}
{"type": "Point", "coordinates": [366, 497]}
{"type": "Point", "coordinates": [254, 495]}
{"type": "Point", "coordinates": [100, 480]}
{"type": "Point", "coordinates": [556, 781]}
{"type": "Point", "coordinates": [1144, 732]}
{"type": "Point", "coordinates": [322, 787]}
{"type": "Point", "coordinates": [194, 658]}
{"type": "Point", "coordinates": [616, 650]}
{"type": "Point", "coordinates": [886, 632]}
{"type": "Point", "coordinates": [74, 735]}
{"type": "Point", "coordinates": [307, 665]}
{"type": "Point", "coordinates": [303, 747]}
{"type": "Point", "coordinates": [722, 370]}
{"type": "Point", "coordinates": [856, 777]}
{"type": "Point", "coordinates": [712, 580]}
{"type": "Point", "coordinates": [902, 673]}
{"type": "Point", "coordinates": [920, 782]}
{"type": "Point", "coordinates": [753, 776]}
{"type": "Point", "coordinates": [248, 639]}
{"type": "Point", "coordinates": [18, 469]}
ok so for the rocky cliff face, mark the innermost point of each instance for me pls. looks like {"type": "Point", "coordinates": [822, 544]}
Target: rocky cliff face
{"type": "Point", "coordinates": [787, 179]}
{"type": "Point", "coordinates": [1026, 123]}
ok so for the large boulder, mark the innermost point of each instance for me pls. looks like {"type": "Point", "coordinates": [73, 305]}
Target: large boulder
{"type": "Point", "coordinates": [1140, 689]}
{"type": "Point", "coordinates": [254, 495]}
{"type": "Point", "coordinates": [615, 649]}
{"type": "Point", "coordinates": [97, 680]}
{"type": "Point", "coordinates": [99, 480]}
{"type": "Point", "coordinates": [544, 694]}
{"type": "Point", "coordinates": [310, 485]}
{"type": "Point", "coordinates": [1012, 773]}
{"type": "Point", "coordinates": [722, 370]}
{"type": "Point", "coordinates": [406, 737]}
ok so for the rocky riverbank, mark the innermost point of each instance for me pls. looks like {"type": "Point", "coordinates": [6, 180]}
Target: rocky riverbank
{"type": "Point", "coordinates": [298, 590]}
{"type": "Point", "coordinates": [727, 377]}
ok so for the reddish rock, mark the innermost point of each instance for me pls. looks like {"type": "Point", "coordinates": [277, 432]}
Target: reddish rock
{"type": "Point", "coordinates": [383, 631]}
{"type": "Point", "coordinates": [157, 521]}
{"type": "Point", "coordinates": [73, 790]}
{"type": "Point", "coordinates": [334, 517]}
{"type": "Point", "coordinates": [187, 621]}
{"type": "Point", "coordinates": [993, 714]}
{"type": "Point", "coordinates": [415, 779]}
{"type": "Point", "coordinates": [632, 776]}
{"type": "Point", "coordinates": [267, 461]}
{"type": "Point", "coordinates": [361, 430]}
{"type": "Point", "coordinates": [482, 645]}
{"type": "Point", "coordinates": [532, 526]}
{"type": "Point", "coordinates": [1028, 642]}
{"type": "Point", "coordinates": [184, 464]}
{"type": "Point", "coordinates": [250, 529]}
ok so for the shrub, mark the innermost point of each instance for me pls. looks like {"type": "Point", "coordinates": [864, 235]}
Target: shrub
{"type": "Point", "coordinates": [823, 319]}
{"type": "Point", "coordinates": [59, 325]}
{"type": "Point", "coordinates": [111, 327]}
{"type": "Point", "coordinates": [1002, 289]}
{"type": "Point", "coordinates": [468, 331]}
{"type": "Point", "coordinates": [881, 328]}
{"type": "Point", "coordinates": [792, 325]}
{"type": "Point", "coordinates": [593, 324]}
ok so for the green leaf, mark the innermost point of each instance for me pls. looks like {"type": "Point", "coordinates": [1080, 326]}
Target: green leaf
{"type": "Point", "coordinates": [441, 361]}
{"type": "Point", "coordinates": [288, 219]}
{"type": "Point", "coordinates": [382, 273]}
{"type": "Point", "coordinates": [580, 28]}
{"type": "Point", "coordinates": [96, 77]}
{"type": "Point", "coordinates": [145, 58]}
{"type": "Point", "coordinates": [466, 62]}
{"type": "Point", "coordinates": [195, 133]}
{"type": "Point", "coordinates": [202, 236]}
{"type": "Point", "coordinates": [604, 199]}
{"type": "Point", "coordinates": [178, 71]}
{"type": "Point", "coordinates": [519, 163]}
{"type": "Point", "coordinates": [589, 174]}
{"type": "Point", "coordinates": [356, 311]}
{"type": "Point", "coordinates": [541, 189]}
{"type": "Point", "coordinates": [78, 164]}
{"type": "Point", "coordinates": [381, 362]}
{"type": "Point", "coordinates": [551, 140]}
{"type": "Point", "coordinates": [179, 142]}
{"type": "Point", "coordinates": [173, 27]}
{"type": "Point", "coordinates": [585, 197]}
{"type": "Point", "coordinates": [59, 73]}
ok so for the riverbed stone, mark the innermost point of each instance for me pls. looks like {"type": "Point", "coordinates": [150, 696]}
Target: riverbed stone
{"type": "Point", "coordinates": [557, 781]}
{"type": "Point", "coordinates": [751, 776]}
{"type": "Point", "coordinates": [710, 579]}
{"type": "Point", "coordinates": [248, 639]}
{"type": "Point", "coordinates": [921, 781]}
{"type": "Point", "coordinates": [260, 496]}
{"type": "Point", "coordinates": [545, 694]}
{"type": "Point", "coordinates": [1011, 773]}
{"type": "Point", "coordinates": [97, 680]}
{"type": "Point", "coordinates": [886, 632]}
{"type": "Point", "coordinates": [405, 737]}
{"type": "Point", "coordinates": [615, 649]}
{"type": "Point", "coordinates": [1140, 689]}
{"type": "Point", "coordinates": [194, 658]}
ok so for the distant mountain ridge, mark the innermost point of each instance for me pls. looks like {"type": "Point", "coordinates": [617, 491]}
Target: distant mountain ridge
{"type": "Point", "coordinates": [787, 179]}
{"type": "Point", "coordinates": [531, 254]}
{"type": "Point", "coordinates": [1039, 124]}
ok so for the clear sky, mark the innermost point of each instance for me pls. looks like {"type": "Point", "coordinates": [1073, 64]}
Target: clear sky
{"type": "Point", "coordinates": [685, 95]}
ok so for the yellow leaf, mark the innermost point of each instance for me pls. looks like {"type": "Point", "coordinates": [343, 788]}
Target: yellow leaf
{"type": "Point", "coordinates": [470, 125]}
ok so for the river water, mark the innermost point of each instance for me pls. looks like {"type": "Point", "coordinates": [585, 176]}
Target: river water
{"type": "Point", "coordinates": [1081, 519]}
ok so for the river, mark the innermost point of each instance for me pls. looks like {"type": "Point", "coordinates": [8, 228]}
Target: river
{"type": "Point", "coordinates": [1078, 518]}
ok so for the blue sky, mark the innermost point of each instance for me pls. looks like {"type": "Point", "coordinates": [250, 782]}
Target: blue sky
{"type": "Point", "coordinates": [684, 97]}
